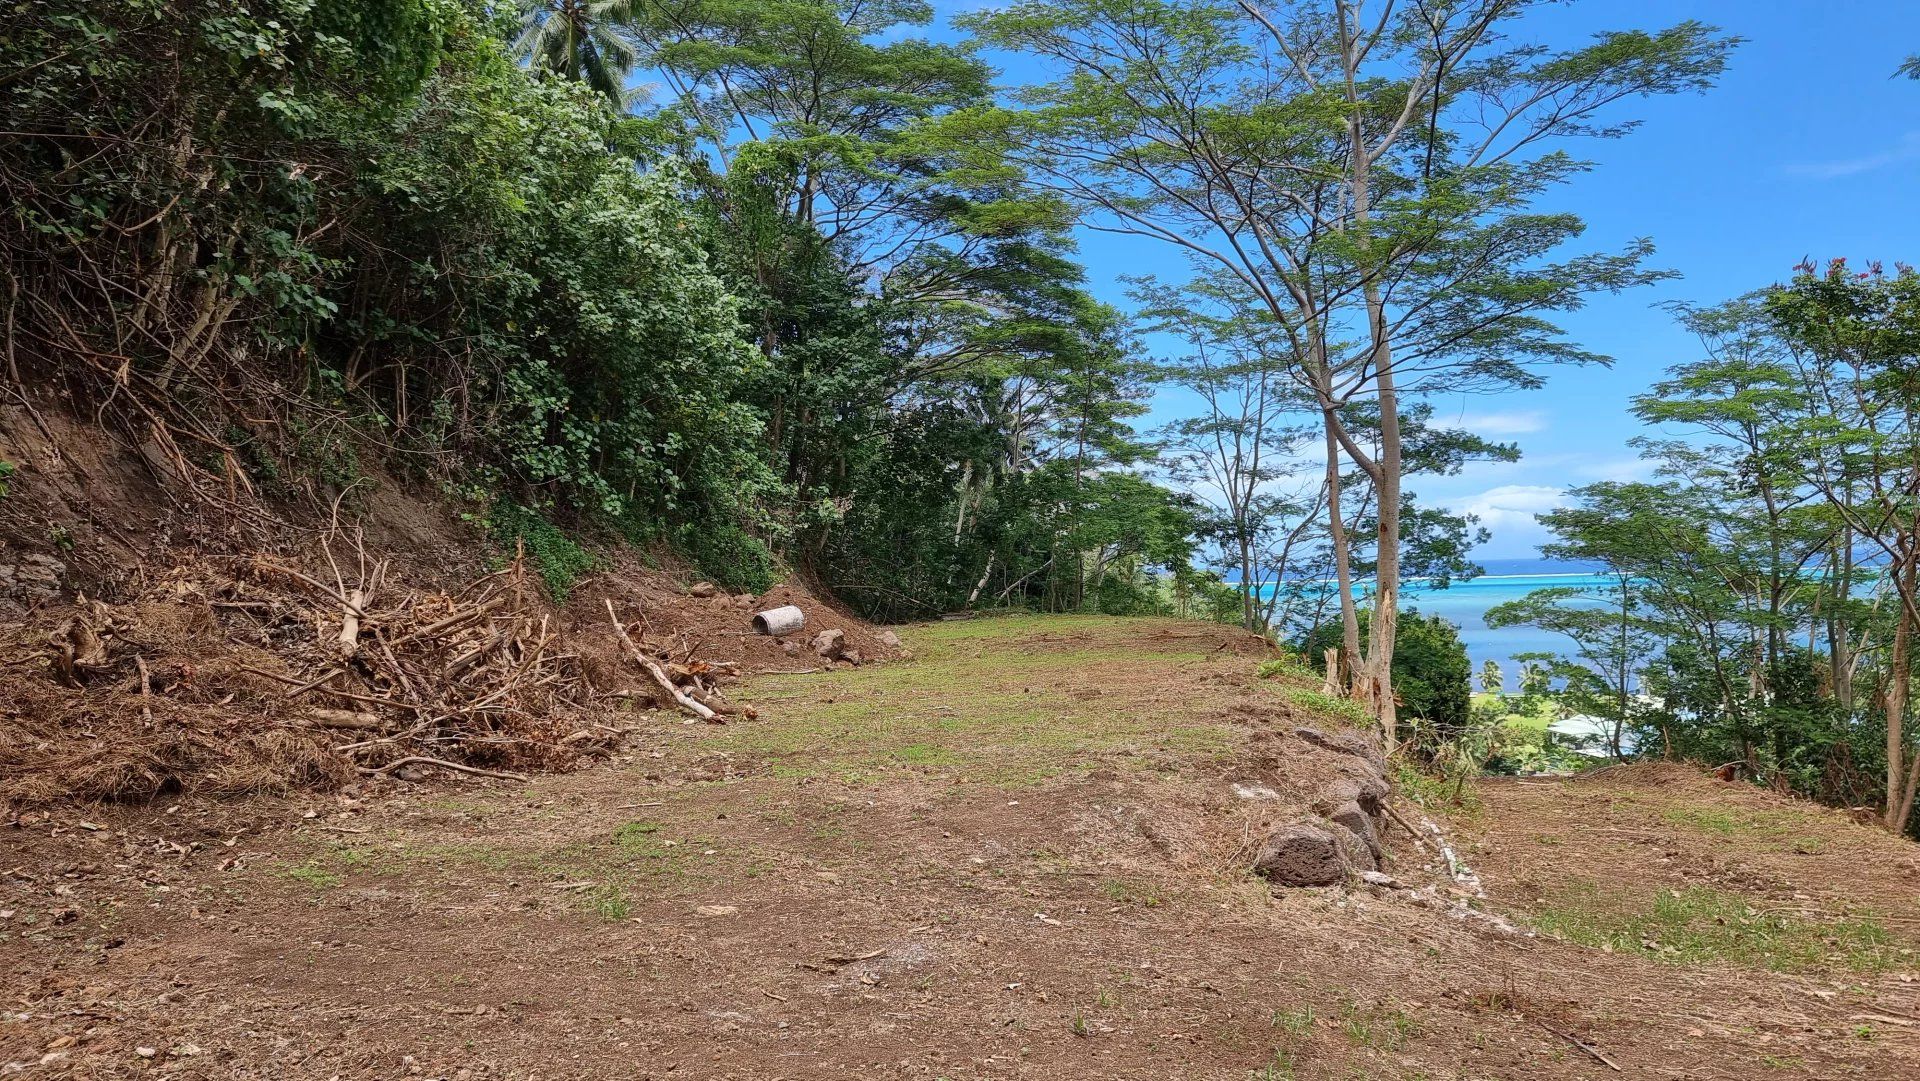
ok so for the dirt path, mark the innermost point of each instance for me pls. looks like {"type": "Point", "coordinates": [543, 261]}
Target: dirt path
{"type": "Point", "coordinates": [1017, 856]}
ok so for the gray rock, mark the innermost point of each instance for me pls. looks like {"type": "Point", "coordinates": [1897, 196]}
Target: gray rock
{"type": "Point", "coordinates": [35, 577]}
{"type": "Point", "coordinates": [1358, 785]}
{"type": "Point", "coordinates": [1359, 823]}
{"type": "Point", "coordinates": [830, 644]}
{"type": "Point", "coordinates": [1346, 743]}
{"type": "Point", "coordinates": [1359, 855]}
{"type": "Point", "coordinates": [890, 639]}
{"type": "Point", "coordinates": [702, 589]}
{"type": "Point", "coordinates": [1302, 854]}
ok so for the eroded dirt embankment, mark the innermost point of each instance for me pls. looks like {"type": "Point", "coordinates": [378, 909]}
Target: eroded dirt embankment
{"type": "Point", "coordinates": [1024, 853]}
{"type": "Point", "coordinates": [161, 638]}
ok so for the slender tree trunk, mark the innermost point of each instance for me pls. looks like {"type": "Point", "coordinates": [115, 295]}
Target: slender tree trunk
{"type": "Point", "coordinates": [1342, 559]}
{"type": "Point", "coordinates": [985, 573]}
{"type": "Point", "coordinates": [1620, 722]}
{"type": "Point", "coordinates": [966, 486]}
{"type": "Point", "coordinates": [1385, 626]}
{"type": "Point", "coordinates": [1897, 688]}
{"type": "Point", "coordinates": [1839, 638]}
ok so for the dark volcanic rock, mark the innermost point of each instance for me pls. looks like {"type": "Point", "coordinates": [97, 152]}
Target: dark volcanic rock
{"type": "Point", "coordinates": [1358, 822]}
{"type": "Point", "coordinates": [1303, 854]}
{"type": "Point", "coordinates": [1346, 743]}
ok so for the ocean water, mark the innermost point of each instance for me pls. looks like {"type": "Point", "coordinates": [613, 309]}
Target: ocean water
{"type": "Point", "coordinates": [1465, 603]}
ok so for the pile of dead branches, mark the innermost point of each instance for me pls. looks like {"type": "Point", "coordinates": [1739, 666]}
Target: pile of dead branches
{"type": "Point", "coordinates": [249, 674]}
{"type": "Point", "coordinates": [467, 680]}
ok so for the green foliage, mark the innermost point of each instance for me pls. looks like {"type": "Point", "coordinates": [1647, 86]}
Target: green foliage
{"type": "Point", "coordinates": [1446, 784]}
{"type": "Point", "coordinates": [1290, 667]}
{"type": "Point", "coordinates": [729, 555]}
{"type": "Point", "coordinates": [557, 558]}
{"type": "Point", "coordinates": [1330, 707]}
{"type": "Point", "coordinates": [1432, 676]}
{"type": "Point", "coordinates": [7, 470]}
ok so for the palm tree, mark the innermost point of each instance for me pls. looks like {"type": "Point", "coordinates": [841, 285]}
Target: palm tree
{"type": "Point", "coordinates": [580, 40]}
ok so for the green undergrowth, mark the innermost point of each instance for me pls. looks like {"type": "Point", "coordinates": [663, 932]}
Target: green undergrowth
{"type": "Point", "coordinates": [1454, 791]}
{"type": "Point", "coordinates": [1344, 710]}
{"type": "Point", "coordinates": [1300, 685]}
{"type": "Point", "coordinates": [559, 559]}
{"type": "Point", "coordinates": [1700, 925]}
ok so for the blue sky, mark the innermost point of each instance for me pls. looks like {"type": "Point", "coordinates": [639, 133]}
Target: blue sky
{"type": "Point", "coordinates": [1806, 148]}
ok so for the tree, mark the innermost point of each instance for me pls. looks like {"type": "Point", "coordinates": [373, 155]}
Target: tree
{"type": "Point", "coordinates": [580, 40]}
{"type": "Point", "coordinates": [1240, 451]}
{"type": "Point", "coordinates": [1855, 341]}
{"type": "Point", "coordinates": [1433, 679]}
{"type": "Point", "coordinates": [1365, 180]}
{"type": "Point", "coordinates": [1492, 679]}
{"type": "Point", "coordinates": [1610, 645]}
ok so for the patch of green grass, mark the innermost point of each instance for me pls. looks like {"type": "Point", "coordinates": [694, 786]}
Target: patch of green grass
{"type": "Point", "coordinates": [1455, 793]}
{"type": "Point", "coordinates": [1381, 1028]}
{"type": "Point", "coordinates": [1294, 1022]}
{"type": "Point", "coordinates": [640, 848]}
{"type": "Point", "coordinates": [1001, 701]}
{"type": "Point", "coordinates": [925, 754]}
{"type": "Point", "coordinates": [1286, 667]}
{"type": "Point", "coordinates": [1278, 1068]}
{"type": "Point", "coordinates": [1345, 710]}
{"type": "Point", "coordinates": [1122, 891]}
{"type": "Point", "coordinates": [1710, 819]}
{"type": "Point", "coordinates": [1702, 926]}
{"type": "Point", "coordinates": [1782, 830]}
{"type": "Point", "coordinates": [609, 903]}
{"type": "Point", "coordinates": [636, 836]}
{"type": "Point", "coordinates": [312, 874]}
{"type": "Point", "coordinates": [1530, 719]}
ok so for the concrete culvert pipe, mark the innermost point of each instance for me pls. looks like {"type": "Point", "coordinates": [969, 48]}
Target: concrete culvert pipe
{"type": "Point", "coordinates": [778, 621]}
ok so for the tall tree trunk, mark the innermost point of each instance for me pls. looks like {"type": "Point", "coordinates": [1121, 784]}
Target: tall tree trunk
{"type": "Point", "coordinates": [1839, 638]}
{"type": "Point", "coordinates": [1342, 559]}
{"type": "Point", "coordinates": [1898, 675]}
{"type": "Point", "coordinates": [1385, 626]}
{"type": "Point", "coordinates": [1620, 722]}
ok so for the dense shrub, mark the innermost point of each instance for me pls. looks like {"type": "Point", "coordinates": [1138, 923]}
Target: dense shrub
{"type": "Point", "coordinates": [1432, 676]}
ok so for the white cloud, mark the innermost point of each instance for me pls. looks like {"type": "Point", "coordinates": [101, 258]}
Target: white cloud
{"type": "Point", "coordinates": [1511, 507]}
{"type": "Point", "coordinates": [1906, 148]}
{"type": "Point", "coordinates": [1498, 424]}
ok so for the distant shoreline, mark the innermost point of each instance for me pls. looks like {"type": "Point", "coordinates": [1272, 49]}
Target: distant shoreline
{"type": "Point", "coordinates": [1453, 581]}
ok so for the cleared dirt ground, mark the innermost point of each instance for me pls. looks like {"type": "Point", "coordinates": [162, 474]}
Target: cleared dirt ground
{"type": "Point", "coordinates": [1018, 855]}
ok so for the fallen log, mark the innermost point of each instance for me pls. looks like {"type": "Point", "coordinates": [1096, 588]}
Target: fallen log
{"type": "Point", "coordinates": [659, 674]}
{"type": "Point", "coordinates": [423, 760]}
